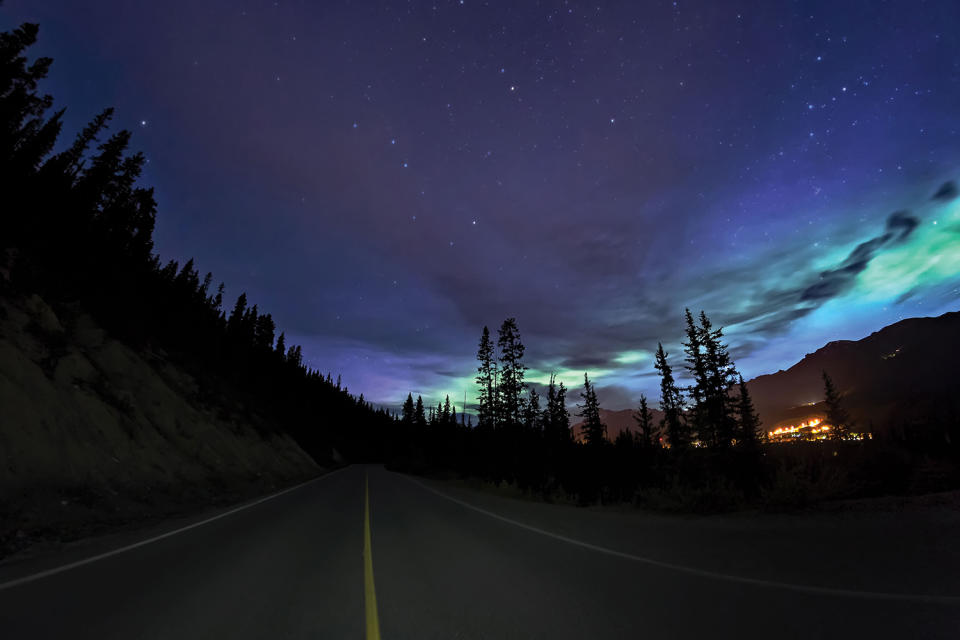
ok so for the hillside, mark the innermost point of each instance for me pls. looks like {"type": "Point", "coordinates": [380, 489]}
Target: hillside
{"type": "Point", "coordinates": [94, 434]}
{"type": "Point", "coordinates": [906, 368]}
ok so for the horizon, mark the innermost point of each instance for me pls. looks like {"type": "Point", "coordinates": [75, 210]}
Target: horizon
{"type": "Point", "coordinates": [384, 202]}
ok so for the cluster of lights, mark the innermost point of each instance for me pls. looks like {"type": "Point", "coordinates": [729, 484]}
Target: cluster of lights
{"type": "Point", "coordinates": [810, 430]}
{"type": "Point", "coordinates": [813, 429]}
{"type": "Point", "coordinates": [812, 426]}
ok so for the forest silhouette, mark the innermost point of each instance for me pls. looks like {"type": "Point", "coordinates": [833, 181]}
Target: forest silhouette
{"type": "Point", "coordinates": [77, 229]}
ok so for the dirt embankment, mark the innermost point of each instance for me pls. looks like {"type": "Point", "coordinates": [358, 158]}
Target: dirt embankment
{"type": "Point", "coordinates": [94, 435]}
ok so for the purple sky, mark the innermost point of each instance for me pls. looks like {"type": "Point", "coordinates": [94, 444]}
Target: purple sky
{"type": "Point", "coordinates": [388, 177]}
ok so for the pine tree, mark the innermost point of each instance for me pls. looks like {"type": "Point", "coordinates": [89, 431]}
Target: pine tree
{"type": "Point", "coordinates": [281, 344]}
{"type": "Point", "coordinates": [644, 421]}
{"type": "Point", "coordinates": [531, 413]}
{"type": "Point", "coordinates": [445, 418]}
{"type": "Point", "coordinates": [700, 392]}
{"type": "Point", "coordinates": [69, 163]}
{"type": "Point", "coordinates": [556, 418]}
{"type": "Point", "coordinates": [512, 371]}
{"type": "Point", "coordinates": [22, 115]}
{"type": "Point", "coordinates": [748, 421]}
{"type": "Point", "coordinates": [486, 380]}
{"type": "Point", "coordinates": [263, 334]}
{"type": "Point", "coordinates": [592, 428]}
{"type": "Point", "coordinates": [295, 356]}
{"type": "Point", "coordinates": [419, 418]}
{"type": "Point", "coordinates": [837, 415]}
{"type": "Point", "coordinates": [408, 411]}
{"type": "Point", "coordinates": [235, 320]}
{"type": "Point", "coordinates": [722, 376]}
{"type": "Point", "coordinates": [671, 403]}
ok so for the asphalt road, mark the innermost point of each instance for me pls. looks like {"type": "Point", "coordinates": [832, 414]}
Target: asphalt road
{"type": "Point", "coordinates": [453, 563]}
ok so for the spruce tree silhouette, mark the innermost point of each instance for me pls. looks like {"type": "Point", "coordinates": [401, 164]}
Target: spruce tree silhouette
{"type": "Point", "coordinates": [722, 376]}
{"type": "Point", "coordinates": [593, 429]}
{"type": "Point", "coordinates": [671, 403]}
{"type": "Point", "coordinates": [698, 414]}
{"type": "Point", "coordinates": [486, 381]}
{"type": "Point", "coordinates": [837, 416]}
{"type": "Point", "coordinates": [644, 420]}
{"type": "Point", "coordinates": [419, 418]}
{"type": "Point", "coordinates": [749, 433]}
{"type": "Point", "coordinates": [512, 372]}
{"type": "Point", "coordinates": [408, 413]}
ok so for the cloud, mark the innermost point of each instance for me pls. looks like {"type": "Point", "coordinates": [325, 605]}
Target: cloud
{"type": "Point", "coordinates": [947, 191]}
{"type": "Point", "coordinates": [586, 361]}
{"type": "Point", "coordinates": [836, 281]}
{"type": "Point", "coordinates": [616, 397]}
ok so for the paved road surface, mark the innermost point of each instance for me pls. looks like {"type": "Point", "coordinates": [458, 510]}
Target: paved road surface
{"type": "Point", "coordinates": [462, 564]}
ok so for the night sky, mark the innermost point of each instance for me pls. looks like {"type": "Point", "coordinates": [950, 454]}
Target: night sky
{"type": "Point", "coordinates": [387, 177]}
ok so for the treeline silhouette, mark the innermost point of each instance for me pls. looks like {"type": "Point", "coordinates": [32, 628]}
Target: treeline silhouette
{"type": "Point", "coordinates": [706, 452]}
{"type": "Point", "coordinates": [708, 437]}
{"type": "Point", "coordinates": [77, 229]}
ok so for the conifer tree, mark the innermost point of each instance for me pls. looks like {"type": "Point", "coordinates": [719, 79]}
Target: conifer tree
{"type": "Point", "coordinates": [592, 428]}
{"type": "Point", "coordinates": [645, 435]}
{"type": "Point", "coordinates": [22, 115]}
{"type": "Point", "coordinates": [722, 376]}
{"type": "Point", "coordinates": [671, 403]}
{"type": "Point", "coordinates": [748, 420]}
{"type": "Point", "coordinates": [407, 412]}
{"type": "Point", "coordinates": [281, 344]}
{"type": "Point", "coordinates": [486, 380]}
{"type": "Point", "coordinates": [69, 163]}
{"type": "Point", "coordinates": [556, 418]}
{"type": "Point", "coordinates": [837, 415]}
{"type": "Point", "coordinates": [419, 418]}
{"type": "Point", "coordinates": [700, 392]}
{"type": "Point", "coordinates": [531, 412]}
{"type": "Point", "coordinates": [512, 371]}
{"type": "Point", "coordinates": [235, 320]}
{"type": "Point", "coordinates": [263, 333]}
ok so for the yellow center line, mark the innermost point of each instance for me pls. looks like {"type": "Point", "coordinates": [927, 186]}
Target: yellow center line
{"type": "Point", "coordinates": [370, 595]}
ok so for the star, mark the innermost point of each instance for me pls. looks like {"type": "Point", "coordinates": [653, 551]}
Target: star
{"type": "Point", "coordinates": [143, 123]}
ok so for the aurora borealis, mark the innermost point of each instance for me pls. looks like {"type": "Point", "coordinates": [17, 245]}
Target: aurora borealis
{"type": "Point", "coordinates": [387, 177]}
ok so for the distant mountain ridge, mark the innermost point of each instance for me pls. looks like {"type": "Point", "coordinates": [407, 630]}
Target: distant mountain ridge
{"type": "Point", "coordinates": [911, 362]}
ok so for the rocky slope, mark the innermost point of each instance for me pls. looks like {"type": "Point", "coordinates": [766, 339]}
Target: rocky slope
{"type": "Point", "coordinates": [93, 434]}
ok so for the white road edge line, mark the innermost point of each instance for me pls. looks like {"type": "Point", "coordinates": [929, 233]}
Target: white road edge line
{"type": "Point", "coordinates": [79, 563]}
{"type": "Point", "coordinates": [822, 591]}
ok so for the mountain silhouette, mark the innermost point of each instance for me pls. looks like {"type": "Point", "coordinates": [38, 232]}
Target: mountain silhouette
{"type": "Point", "coordinates": [907, 367]}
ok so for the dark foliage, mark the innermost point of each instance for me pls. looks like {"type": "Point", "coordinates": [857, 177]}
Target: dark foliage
{"type": "Point", "coordinates": [77, 228]}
